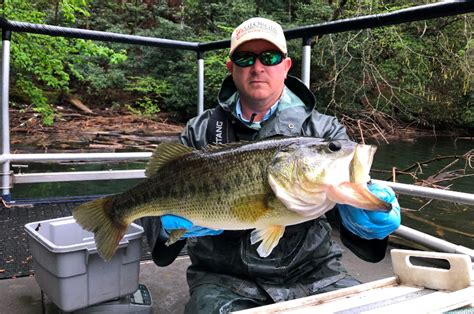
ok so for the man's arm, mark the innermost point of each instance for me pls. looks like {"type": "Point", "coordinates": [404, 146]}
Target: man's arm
{"type": "Point", "coordinates": [371, 250]}
{"type": "Point", "coordinates": [194, 134]}
{"type": "Point", "coordinates": [373, 227]}
{"type": "Point", "coordinates": [156, 236]}
{"type": "Point", "coordinates": [324, 126]}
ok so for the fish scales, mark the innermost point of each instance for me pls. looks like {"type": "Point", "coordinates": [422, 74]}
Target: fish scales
{"type": "Point", "coordinates": [199, 184]}
{"type": "Point", "coordinates": [264, 185]}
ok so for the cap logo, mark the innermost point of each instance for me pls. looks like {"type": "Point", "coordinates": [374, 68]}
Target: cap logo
{"type": "Point", "coordinates": [257, 26]}
{"type": "Point", "coordinates": [238, 33]}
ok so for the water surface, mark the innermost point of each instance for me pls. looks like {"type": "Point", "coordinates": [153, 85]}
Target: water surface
{"type": "Point", "coordinates": [451, 221]}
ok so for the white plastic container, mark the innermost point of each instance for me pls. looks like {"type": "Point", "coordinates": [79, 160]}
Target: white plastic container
{"type": "Point", "coordinates": [70, 271]}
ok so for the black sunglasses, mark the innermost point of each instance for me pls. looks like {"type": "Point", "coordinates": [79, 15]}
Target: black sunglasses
{"type": "Point", "coordinates": [247, 58]}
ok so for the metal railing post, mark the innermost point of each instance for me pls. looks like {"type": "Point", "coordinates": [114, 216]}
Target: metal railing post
{"type": "Point", "coordinates": [306, 61]}
{"type": "Point", "coordinates": [200, 68]}
{"type": "Point", "coordinates": [5, 117]}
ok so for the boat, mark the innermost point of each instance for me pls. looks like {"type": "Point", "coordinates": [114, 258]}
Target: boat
{"type": "Point", "coordinates": [19, 287]}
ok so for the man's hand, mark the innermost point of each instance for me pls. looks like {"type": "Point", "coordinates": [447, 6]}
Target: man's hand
{"type": "Point", "coordinates": [170, 223]}
{"type": "Point", "coordinates": [372, 224]}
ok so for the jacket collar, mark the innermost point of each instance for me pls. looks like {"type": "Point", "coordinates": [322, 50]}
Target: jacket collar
{"type": "Point", "coordinates": [296, 104]}
{"type": "Point", "coordinates": [227, 94]}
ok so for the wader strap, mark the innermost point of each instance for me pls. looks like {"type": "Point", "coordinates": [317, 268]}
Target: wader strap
{"type": "Point", "coordinates": [219, 128]}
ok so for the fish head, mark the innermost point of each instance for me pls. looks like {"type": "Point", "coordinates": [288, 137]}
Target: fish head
{"type": "Point", "coordinates": [309, 178]}
{"type": "Point", "coordinates": [300, 173]}
{"type": "Point", "coordinates": [320, 164]}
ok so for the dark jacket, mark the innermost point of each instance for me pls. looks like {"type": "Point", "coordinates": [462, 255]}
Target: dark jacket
{"type": "Point", "coordinates": [305, 260]}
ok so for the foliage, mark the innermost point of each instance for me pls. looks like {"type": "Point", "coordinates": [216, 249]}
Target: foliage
{"type": "Point", "coordinates": [414, 71]}
{"type": "Point", "coordinates": [207, 16]}
{"type": "Point", "coordinates": [419, 72]}
{"type": "Point", "coordinates": [41, 63]}
{"type": "Point", "coordinates": [153, 92]}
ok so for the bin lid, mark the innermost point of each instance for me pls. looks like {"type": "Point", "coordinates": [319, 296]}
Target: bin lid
{"type": "Point", "coordinates": [66, 235]}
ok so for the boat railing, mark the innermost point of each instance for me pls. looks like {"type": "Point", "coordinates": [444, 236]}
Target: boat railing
{"type": "Point", "coordinates": [306, 33]}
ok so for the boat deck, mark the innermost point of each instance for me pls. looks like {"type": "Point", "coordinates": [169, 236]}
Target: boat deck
{"type": "Point", "coordinates": [21, 293]}
{"type": "Point", "coordinates": [167, 285]}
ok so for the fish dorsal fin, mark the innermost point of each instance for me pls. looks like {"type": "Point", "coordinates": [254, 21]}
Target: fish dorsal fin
{"type": "Point", "coordinates": [164, 153]}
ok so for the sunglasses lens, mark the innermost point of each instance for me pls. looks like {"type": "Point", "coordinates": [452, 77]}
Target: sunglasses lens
{"type": "Point", "coordinates": [246, 59]}
{"type": "Point", "coordinates": [271, 57]}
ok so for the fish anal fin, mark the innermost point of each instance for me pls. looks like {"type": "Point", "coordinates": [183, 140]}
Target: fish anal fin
{"type": "Point", "coordinates": [175, 235]}
{"type": "Point", "coordinates": [270, 236]}
{"type": "Point", "coordinates": [356, 195]}
{"type": "Point", "coordinates": [164, 153]}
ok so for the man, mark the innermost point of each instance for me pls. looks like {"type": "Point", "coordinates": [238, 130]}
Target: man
{"type": "Point", "coordinates": [260, 100]}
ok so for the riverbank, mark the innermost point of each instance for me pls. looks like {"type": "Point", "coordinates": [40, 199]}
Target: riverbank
{"type": "Point", "coordinates": [107, 130]}
{"type": "Point", "coordinates": [101, 131]}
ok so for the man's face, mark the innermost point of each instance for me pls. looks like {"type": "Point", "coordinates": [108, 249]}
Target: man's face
{"type": "Point", "coordinates": [258, 83]}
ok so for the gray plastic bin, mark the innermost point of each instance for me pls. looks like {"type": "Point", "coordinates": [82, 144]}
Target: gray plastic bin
{"type": "Point", "coordinates": [70, 271]}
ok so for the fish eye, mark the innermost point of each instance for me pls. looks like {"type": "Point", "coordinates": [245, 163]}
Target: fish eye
{"type": "Point", "coordinates": [334, 146]}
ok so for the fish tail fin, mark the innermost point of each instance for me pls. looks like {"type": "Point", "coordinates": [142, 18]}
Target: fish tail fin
{"type": "Point", "coordinates": [356, 195]}
{"type": "Point", "coordinates": [94, 216]}
{"type": "Point", "coordinates": [269, 236]}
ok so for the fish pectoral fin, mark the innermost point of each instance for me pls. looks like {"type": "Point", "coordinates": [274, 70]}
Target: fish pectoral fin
{"type": "Point", "coordinates": [175, 236]}
{"type": "Point", "coordinates": [269, 236]}
{"type": "Point", "coordinates": [356, 195]}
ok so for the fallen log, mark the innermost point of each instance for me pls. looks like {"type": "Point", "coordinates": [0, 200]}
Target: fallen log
{"type": "Point", "coordinates": [78, 104]}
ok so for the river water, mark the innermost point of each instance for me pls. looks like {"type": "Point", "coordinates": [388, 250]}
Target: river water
{"type": "Point", "coordinates": [453, 222]}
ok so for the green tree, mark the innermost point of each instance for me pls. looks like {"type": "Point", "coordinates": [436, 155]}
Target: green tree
{"type": "Point", "coordinates": [419, 72]}
{"type": "Point", "coordinates": [41, 65]}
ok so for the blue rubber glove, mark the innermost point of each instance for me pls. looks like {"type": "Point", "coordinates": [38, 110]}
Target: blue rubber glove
{"type": "Point", "coordinates": [171, 222]}
{"type": "Point", "coordinates": [372, 224]}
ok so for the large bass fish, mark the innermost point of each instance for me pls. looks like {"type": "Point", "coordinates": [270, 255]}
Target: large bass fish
{"type": "Point", "coordinates": [264, 185]}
